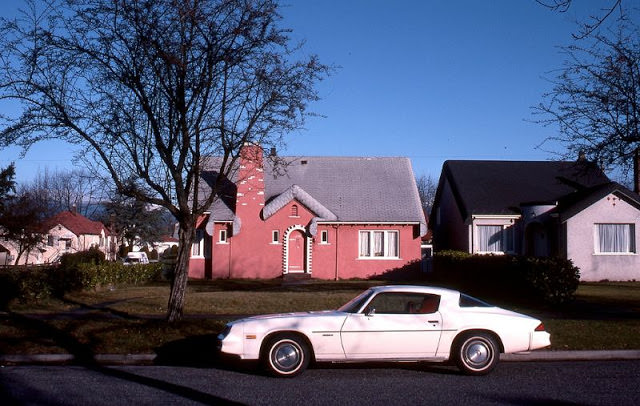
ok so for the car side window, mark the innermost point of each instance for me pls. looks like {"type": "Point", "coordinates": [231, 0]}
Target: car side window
{"type": "Point", "coordinates": [403, 303]}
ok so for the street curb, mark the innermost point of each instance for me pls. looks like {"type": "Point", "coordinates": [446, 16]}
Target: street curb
{"type": "Point", "coordinates": [101, 359]}
{"type": "Point", "coordinates": [148, 359]}
{"type": "Point", "coordinates": [588, 355]}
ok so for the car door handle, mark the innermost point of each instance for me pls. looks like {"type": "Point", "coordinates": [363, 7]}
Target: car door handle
{"type": "Point", "coordinates": [433, 321]}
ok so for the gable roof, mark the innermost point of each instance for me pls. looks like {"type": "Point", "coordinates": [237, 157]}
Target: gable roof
{"type": "Point", "coordinates": [297, 193]}
{"type": "Point", "coordinates": [76, 223]}
{"type": "Point", "coordinates": [344, 189]}
{"type": "Point", "coordinates": [501, 187]}
{"type": "Point", "coordinates": [575, 203]}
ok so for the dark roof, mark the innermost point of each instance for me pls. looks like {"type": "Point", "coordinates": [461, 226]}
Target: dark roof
{"type": "Point", "coordinates": [501, 187]}
{"type": "Point", "coordinates": [352, 189]}
{"type": "Point", "coordinates": [76, 223]}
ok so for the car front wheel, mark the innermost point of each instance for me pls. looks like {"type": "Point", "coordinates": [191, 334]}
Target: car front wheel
{"type": "Point", "coordinates": [476, 353]}
{"type": "Point", "coordinates": [285, 356]}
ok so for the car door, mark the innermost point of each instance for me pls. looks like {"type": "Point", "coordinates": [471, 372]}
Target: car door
{"type": "Point", "coordinates": [394, 325]}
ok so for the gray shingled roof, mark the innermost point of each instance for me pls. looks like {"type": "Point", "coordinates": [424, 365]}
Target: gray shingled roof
{"type": "Point", "coordinates": [352, 189]}
{"type": "Point", "coordinates": [501, 187]}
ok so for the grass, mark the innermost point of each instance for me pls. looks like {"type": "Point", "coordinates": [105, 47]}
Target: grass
{"type": "Point", "coordinates": [129, 319]}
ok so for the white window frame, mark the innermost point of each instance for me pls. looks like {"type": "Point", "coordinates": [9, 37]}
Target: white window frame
{"type": "Point", "coordinates": [625, 246]}
{"type": "Point", "coordinates": [377, 244]}
{"type": "Point", "coordinates": [275, 237]}
{"type": "Point", "coordinates": [222, 237]}
{"type": "Point", "coordinates": [324, 237]}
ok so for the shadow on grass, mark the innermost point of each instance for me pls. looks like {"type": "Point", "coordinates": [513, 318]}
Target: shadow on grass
{"type": "Point", "coordinates": [49, 335]}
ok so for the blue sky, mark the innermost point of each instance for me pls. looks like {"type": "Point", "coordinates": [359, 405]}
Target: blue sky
{"type": "Point", "coordinates": [429, 80]}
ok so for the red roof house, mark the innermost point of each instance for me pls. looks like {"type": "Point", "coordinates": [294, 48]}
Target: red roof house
{"type": "Point", "coordinates": [69, 232]}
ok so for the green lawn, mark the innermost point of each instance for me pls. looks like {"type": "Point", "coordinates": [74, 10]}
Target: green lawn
{"type": "Point", "coordinates": [128, 319]}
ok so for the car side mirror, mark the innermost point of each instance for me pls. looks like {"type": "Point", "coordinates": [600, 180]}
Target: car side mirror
{"type": "Point", "coordinates": [370, 312]}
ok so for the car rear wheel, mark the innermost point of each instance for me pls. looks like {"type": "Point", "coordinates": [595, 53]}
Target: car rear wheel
{"type": "Point", "coordinates": [285, 355]}
{"type": "Point", "coordinates": [476, 353]}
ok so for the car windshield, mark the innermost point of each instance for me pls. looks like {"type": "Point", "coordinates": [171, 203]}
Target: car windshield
{"type": "Point", "coordinates": [355, 304]}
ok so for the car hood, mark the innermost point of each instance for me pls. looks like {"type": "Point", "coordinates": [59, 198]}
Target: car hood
{"type": "Point", "coordinates": [296, 315]}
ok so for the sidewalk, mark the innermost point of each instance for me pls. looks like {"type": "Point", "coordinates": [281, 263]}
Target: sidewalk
{"type": "Point", "coordinates": [148, 359]}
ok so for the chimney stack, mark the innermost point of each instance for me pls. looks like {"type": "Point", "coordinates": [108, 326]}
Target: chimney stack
{"type": "Point", "coordinates": [636, 171]}
{"type": "Point", "coordinates": [582, 156]}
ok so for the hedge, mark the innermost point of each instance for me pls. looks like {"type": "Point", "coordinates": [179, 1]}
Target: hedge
{"type": "Point", "coordinates": [550, 279]}
{"type": "Point", "coordinates": [37, 283]}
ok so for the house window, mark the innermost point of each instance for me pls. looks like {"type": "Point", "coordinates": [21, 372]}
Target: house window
{"type": "Point", "coordinates": [50, 240]}
{"type": "Point", "coordinates": [378, 244]}
{"type": "Point", "coordinates": [492, 238]}
{"type": "Point", "coordinates": [294, 210]}
{"type": "Point", "coordinates": [198, 245]}
{"type": "Point", "coordinates": [275, 237]}
{"type": "Point", "coordinates": [324, 237]}
{"type": "Point", "coordinates": [615, 238]}
{"type": "Point", "coordinates": [222, 237]}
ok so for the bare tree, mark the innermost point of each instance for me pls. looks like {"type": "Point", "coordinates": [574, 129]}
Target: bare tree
{"type": "Point", "coordinates": [76, 190]}
{"type": "Point", "coordinates": [427, 187]}
{"type": "Point", "coordinates": [593, 23]}
{"type": "Point", "coordinates": [595, 100]}
{"type": "Point", "coordinates": [148, 88]}
{"type": "Point", "coordinates": [134, 222]}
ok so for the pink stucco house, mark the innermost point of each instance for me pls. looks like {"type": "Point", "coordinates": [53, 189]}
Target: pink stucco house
{"type": "Point", "coordinates": [320, 217]}
{"type": "Point", "coordinates": [540, 208]}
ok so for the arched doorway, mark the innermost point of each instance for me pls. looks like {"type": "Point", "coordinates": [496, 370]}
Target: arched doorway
{"type": "Point", "coordinates": [296, 252]}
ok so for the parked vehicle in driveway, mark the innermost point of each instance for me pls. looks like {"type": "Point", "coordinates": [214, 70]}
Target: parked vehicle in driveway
{"type": "Point", "coordinates": [136, 257]}
{"type": "Point", "coordinates": [387, 323]}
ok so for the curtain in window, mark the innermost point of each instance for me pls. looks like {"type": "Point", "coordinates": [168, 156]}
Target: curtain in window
{"type": "Point", "coordinates": [364, 244]}
{"type": "Point", "coordinates": [196, 249]}
{"type": "Point", "coordinates": [616, 238]}
{"type": "Point", "coordinates": [393, 244]}
{"type": "Point", "coordinates": [490, 238]}
{"type": "Point", "coordinates": [378, 243]}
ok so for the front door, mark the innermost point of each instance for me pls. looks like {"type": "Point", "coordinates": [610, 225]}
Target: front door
{"type": "Point", "coordinates": [296, 244]}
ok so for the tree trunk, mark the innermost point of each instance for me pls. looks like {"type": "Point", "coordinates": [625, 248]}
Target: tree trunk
{"type": "Point", "coordinates": [180, 273]}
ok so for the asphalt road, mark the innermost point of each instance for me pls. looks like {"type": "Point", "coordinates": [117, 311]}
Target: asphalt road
{"type": "Point", "coordinates": [515, 383]}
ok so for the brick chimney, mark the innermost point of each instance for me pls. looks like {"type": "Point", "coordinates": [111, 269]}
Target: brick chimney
{"type": "Point", "coordinates": [250, 184]}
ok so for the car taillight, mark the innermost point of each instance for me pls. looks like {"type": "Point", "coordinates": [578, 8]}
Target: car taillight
{"type": "Point", "coordinates": [540, 327]}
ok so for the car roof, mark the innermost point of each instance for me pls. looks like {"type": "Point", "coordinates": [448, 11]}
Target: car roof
{"type": "Point", "coordinates": [416, 288]}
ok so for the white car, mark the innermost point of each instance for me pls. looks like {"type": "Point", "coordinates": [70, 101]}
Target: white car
{"type": "Point", "coordinates": [387, 323]}
{"type": "Point", "coordinates": [136, 257]}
